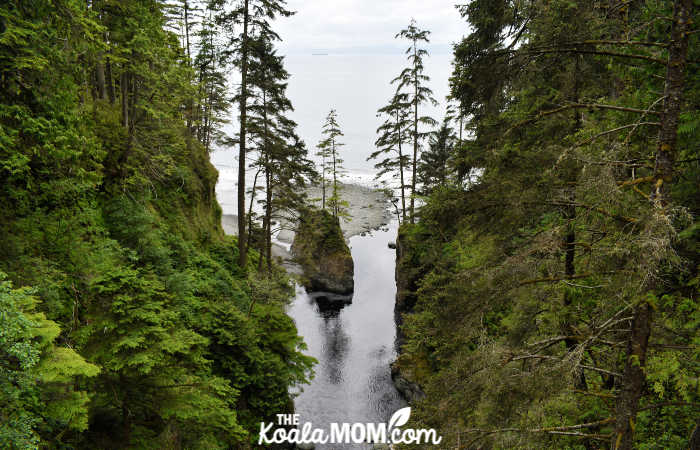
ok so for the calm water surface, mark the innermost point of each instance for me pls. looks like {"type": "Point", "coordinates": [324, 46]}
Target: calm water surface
{"type": "Point", "coordinates": [353, 344]}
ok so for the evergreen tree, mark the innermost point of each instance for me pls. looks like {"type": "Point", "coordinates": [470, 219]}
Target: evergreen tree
{"type": "Point", "coordinates": [413, 80]}
{"type": "Point", "coordinates": [281, 154]}
{"type": "Point", "coordinates": [38, 377]}
{"type": "Point", "coordinates": [254, 17]}
{"type": "Point", "coordinates": [329, 150]}
{"type": "Point", "coordinates": [393, 133]}
{"type": "Point", "coordinates": [323, 152]}
{"type": "Point", "coordinates": [553, 261]}
{"type": "Point", "coordinates": [111, 218]}
{"type": "Point", "coordinates": [434, 168]}
{"type": "Point", "coordinates": [213, 104]}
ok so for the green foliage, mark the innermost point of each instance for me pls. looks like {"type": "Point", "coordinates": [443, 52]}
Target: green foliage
{"type": "Point", "coordinates": [332, 166]}
{"type": "Point", "coordinates": [434, 168]}
{"type": "Point", "coordinates": [523, 286]}
{"type": "Point", "coordinates": [281, 154]}
{"type": "Point", "coordinates": [319, 228]}
{"type": "Point", "coordinates": [148, 334]}
{"type": "Point", "coordinates": [394, 133]}
{"type": "Point", "coordinates": [37, 377]}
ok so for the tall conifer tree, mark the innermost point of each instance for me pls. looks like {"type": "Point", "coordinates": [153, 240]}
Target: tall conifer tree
{"type": "Point", "coordinates": [329, 150]}
{"type": "Point", "coordinates": [253, 17]}
{"type": "Point", "coordinates": [412, 81]}
{"type": "Point", "coordinates": [394, 132]}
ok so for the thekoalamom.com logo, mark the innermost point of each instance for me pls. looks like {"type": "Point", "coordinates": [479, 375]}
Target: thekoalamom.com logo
{"type": "Point", "coordinates": [346, 433]}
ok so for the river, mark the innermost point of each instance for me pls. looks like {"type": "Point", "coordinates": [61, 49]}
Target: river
{"type": "Point", "coordinates": [354, 343]}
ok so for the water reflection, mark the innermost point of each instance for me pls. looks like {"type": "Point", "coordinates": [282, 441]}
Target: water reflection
{"type": "Point", "coordinates": [329, 305]}
{"type": "Point", "coordinates": [353, 340]}
{"type": "Point", "coordinates": [335, 347]}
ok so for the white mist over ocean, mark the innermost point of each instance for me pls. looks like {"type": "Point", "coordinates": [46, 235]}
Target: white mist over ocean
{"type": "Point", "coordinates": [354, 84]}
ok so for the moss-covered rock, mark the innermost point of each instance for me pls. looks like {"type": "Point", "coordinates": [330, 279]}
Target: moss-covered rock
{"type": "Point", "coordinates": [320, 248]}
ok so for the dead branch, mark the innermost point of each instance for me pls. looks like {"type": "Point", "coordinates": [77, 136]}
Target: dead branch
{"type": "Point", "coordinates": [613, 42]}
{"type": "Point", "coordinates": [553, 279]}
{"type": "Point", "coordinates": [583, 285]}
{"type": "Point", "coordinates": [651, 107]}
{"type": "Point", "coordinates": [639, 191]}
{"type": "Point", "coordinates": [580, 105]}
{"type": "Point", "coordinates": [596, 209]}
{"type": "Point", "coordinates": [564, 430]}
{"type": "Point", "coordinates": [583, 366]}
{"type": "Point", "coordinates": [605, 53]}
{"type": "Point", "coordinates": [594, 394]}
{"type": "Point", "coordinates": [615, 130]}
{"type": "Point", "coordinates": [661, 405]}
{"type": "Point", "coordinates": [636, 181]}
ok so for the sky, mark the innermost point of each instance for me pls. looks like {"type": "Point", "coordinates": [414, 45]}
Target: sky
{"type": "Point", "coordinates": [342, 26]}
{"type": "Point", "coordinates": [354, 77]}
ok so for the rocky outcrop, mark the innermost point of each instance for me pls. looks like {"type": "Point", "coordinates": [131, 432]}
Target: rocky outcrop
{"type": "Point", "coordinates": [410, 390]}
{"type": "Point", "coordinates": [320, 249]}
{"type": "Point", "coordinates": [407, 276]}
{"type": "Point", "coordinates": [408, 273]}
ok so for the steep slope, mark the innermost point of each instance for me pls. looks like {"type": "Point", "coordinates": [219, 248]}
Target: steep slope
{"type": "Point", "coordinates": [128, 308]}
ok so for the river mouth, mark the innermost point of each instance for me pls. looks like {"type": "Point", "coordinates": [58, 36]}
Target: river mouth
{"type": "Point", "coordinates": [353, 342]}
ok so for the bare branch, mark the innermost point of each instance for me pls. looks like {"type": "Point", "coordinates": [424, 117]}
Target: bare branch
{"type": "Point", "coordinates": [637, 181]}
{"type": "Point", "coordinates": [564, 430]}
{"type": "Point", "coordinates": [615, 130]}
{"type": "Point", "coordinates": [581, 105]}
{"type": "Point", "coordinates": [553, 279]}
{"type": "Point", "coordinates": [613, 42]}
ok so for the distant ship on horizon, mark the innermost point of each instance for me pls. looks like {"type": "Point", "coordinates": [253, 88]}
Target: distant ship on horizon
{"type": "Point", "coordinates": [319, 54]}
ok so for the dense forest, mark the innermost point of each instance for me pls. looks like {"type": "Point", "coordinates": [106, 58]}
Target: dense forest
{"type": "Point", "coordinates": [126, 320]}
{"type": "Point", "coordinates": [548, 291]}
{"type": "Point", "coordinates": [548, 252]}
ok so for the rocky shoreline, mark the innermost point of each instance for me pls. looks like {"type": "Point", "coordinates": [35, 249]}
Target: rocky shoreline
{"type": "Point", "coordinates": [367, 207]}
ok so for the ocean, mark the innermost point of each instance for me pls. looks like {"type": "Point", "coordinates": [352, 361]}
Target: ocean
{"type": "Point", "coordinates": [355, 85]}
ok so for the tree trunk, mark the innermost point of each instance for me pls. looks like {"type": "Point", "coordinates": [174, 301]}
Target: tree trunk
{"type": "Point", "coordinates": [323, 183]}
{"type": "Point", "coordinates": [189, 119]}
{"type": "Point", "coordinates": [187, 30]}
{"type": "Point", "coordinates": [261, 246]}
{"type": "Point", "coordinates": [99, 67]}
{"type": "Point", "coordinates": [335, 182]}
{"type": "Point", "coordinates": [133, 101]}
{"type": "Point", "coordinates": [569, 214]}
{"type": "Point", "coordinates": [101, 83]}
{"type": "Point", "coordinates": [109, 80]}
{"type": "Point", "coordinates": [242, 248]}
{"type": "Point", "coordinates": [415, 139]}
{"type": "Point", "coordinates": [403, 184]}
{"type": "Point", "coordinates": [268, 214]}
{"type": "Point", "coordinates": [268, 188]}
{"type": "Point", "coordinates": [250, 208]}
{"type": "Point", "coordinates": [461, 125]}
{"type": "Point", "coordinates": [634, 379]}
{"type": "Point", "coordinates": [124, 88]}
{"type": "Point", "coordinates": [694, 443]}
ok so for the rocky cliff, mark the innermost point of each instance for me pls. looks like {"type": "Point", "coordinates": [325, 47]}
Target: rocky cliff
{"type": "Point", "coordinates": [319, 247]}
{"type": "Point", "coordinates": [408, 274]}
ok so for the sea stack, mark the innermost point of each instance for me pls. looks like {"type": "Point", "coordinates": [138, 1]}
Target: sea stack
{"type": "Point", "coordinates": [319, 247]}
